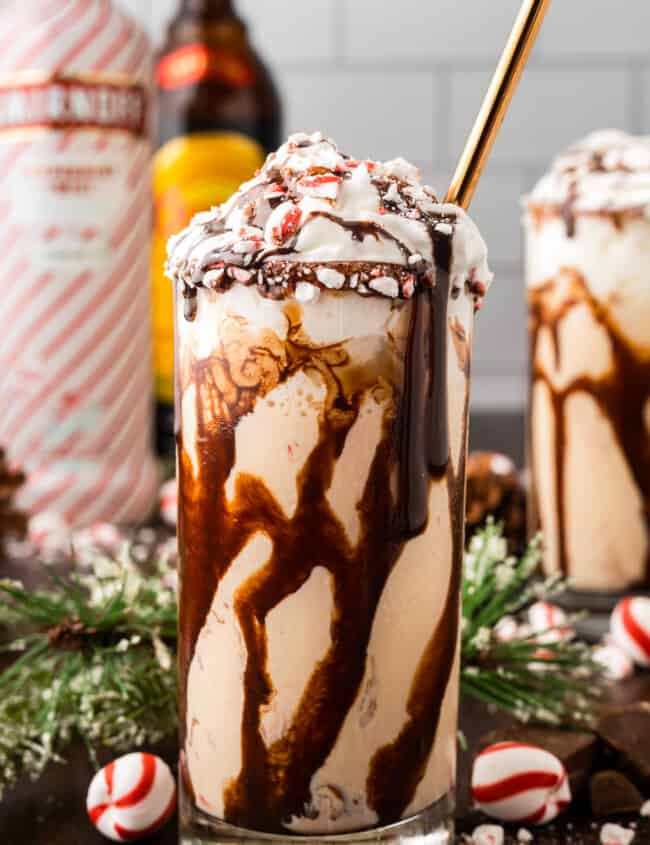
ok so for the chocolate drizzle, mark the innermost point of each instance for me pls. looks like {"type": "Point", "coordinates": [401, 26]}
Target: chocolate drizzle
{"type": "Point", "coordinates": [567, 210]}
{"type": "Point", "coordinates": [425, 394]}
{"type": "Point", "coordinates": [361, 229]}
{"type": "Point", "coordinates": [276, 273]}
{"type": "Point", "coordinates": [397, 768]}
{"type": "Point", "coordinates": [189, 303]}
{"type": "Point", "coordinates": [274, 218]}
{"type": "Point", "coordinates": [605, 175]}
{"type": "Point", "coordinates": [274, 781]}
{"type": "Point", "coordinates": [622, 395]}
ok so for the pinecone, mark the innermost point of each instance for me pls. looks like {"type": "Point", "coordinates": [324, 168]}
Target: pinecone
{"type": "Point", "coordinates": [494, 488]}
{"type": "Point", "coordinates": [12, 522]}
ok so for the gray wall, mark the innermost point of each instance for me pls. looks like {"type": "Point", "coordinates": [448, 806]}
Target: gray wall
{"type": "Point", "coordinates": [390, 77]}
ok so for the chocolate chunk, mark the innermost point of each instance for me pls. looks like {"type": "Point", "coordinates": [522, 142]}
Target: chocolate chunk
{"type": "Point", "coordinates": [576, 749]}
{"type": "Point", "coordinates": [611, 793]}
{"type": "Point", "coordinates": [627, 731]}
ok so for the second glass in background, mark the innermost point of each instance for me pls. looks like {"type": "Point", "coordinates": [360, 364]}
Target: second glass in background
{"type": "Point", "coordinates": [588, 270]}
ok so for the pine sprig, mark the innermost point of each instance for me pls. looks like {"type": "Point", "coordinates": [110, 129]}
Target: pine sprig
{"type": "Point", "coordinates": [98, 655]}
{"type": "Point", "coordinates": [543, 676]}
{"type": "Point", "coordinates": [97, 664]}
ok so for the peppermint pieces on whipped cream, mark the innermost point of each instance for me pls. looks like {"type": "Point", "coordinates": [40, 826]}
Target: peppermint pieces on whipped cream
{"type": "Point", "coordinates": [315, 217]}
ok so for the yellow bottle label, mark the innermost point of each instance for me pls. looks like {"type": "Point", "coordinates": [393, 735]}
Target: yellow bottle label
{"type": "Point", "coordinates": [190, 174]}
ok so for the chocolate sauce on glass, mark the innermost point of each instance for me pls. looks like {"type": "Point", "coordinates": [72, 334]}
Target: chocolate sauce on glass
{"type": "Point", "coordinates": [189, 303]}
{"type": "Point", "coordinates": [621, 395]}
{"type": "Point", "coordinates": [274, 781]}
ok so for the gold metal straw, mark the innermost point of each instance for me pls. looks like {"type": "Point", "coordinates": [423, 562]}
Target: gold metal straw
{"type": "Point", "coordinates": [496, 102]}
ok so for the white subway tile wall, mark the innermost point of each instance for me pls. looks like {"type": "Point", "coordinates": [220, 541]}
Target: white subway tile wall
{"type": "Point", "coordinates": [375, 114]}
{"type": "Point", "coordinates": [404, 77]}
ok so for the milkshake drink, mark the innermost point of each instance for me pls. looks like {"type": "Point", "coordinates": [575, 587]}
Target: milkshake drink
{"type": "Point", "coordinates": [588, 257]}
{"type": "Point", "coordinates": [324, 325]}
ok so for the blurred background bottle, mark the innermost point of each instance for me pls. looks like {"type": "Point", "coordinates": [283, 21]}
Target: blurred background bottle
{"type": "Point", "coordinates": [218, 116]}
{"type": "Point", "coordinates": [75, 152]}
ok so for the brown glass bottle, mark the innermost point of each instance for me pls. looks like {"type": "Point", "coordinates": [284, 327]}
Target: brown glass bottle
{"type": "Point", "coordinates": [218, 115]}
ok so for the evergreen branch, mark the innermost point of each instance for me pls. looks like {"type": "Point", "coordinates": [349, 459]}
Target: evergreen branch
{"type": "Point", "coordinates": [536, 677]}
{"type": "Point", "coordinates": [99, 646]}
{"type": "Point", "coordinates": [97, 664]}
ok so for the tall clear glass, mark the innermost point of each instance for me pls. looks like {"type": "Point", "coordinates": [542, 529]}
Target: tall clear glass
{"type": "Point", "coordinates": [589, 310]}
{"type": "Point", "coordinates": [321, 456]}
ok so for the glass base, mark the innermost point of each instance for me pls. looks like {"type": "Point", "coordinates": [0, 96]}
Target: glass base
{"type": "Point", "coordinates": [431, 826]}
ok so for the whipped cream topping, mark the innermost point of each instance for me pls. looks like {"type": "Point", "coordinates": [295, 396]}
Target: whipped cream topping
{"type": "Point", "coordinates": [608, 171]}
{"type": "Point", "coordinates": [313, 218]}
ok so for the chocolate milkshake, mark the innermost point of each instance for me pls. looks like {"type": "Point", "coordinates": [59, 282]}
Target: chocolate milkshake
{"type": "Point", "coordinates": [588, 236]}
{"type": "Point", "coordinates": [324, 326]}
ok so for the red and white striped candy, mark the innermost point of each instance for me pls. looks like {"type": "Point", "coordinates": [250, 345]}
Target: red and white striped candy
{"type": "Point", "coordinates": [507, 629]}
{"type": "Point", "coordinates": [549, 621]}
{"type": "Point", "coordinates": [132, 797]}
{"type": "Point", "coordinates": [543, 615]}
{"type": "Point", "coordinates": [520, 783]}
{"type": "Point", "coordinates": [630, 628]}
{"type": "Point", "coordinates": [616, 665]}
{"type": "Point", "coordinates": [168, 502]}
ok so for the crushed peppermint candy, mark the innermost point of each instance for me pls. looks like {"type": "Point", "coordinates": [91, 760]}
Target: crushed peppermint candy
{"type": "Point", "coordinates": [330, 278]}
{"type": "Point", "coordinates": [385, 285]}
{"type": "Point", "coordinates": [392, 194]}
{"type": "Point", "coordinates": [524, 835]}
{"type": "Point", "coordinates": [323, 186]}
{"type": "Point", "coordinates": [488, 834]}
{"type": "Point", "coordinates": [614, 834]}
{"type": "Point", "coordinates": [289, 216]}
{"type": "Point", "coordinates": [312, 205]}
{"type": "Point", "coordinates": [408, 287]}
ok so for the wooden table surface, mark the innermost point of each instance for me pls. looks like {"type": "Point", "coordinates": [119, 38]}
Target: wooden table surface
{"type": "Point", "coordinates": [52, 811]}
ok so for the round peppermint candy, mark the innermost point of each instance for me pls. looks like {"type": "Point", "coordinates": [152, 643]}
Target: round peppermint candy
{"type": "Point", "coordinates": [630, 628]}
{"type": "Point", "coordinates": [549, 622]}
{"type": "Point", "coordinates": [520, 783]}
{"type": "Point", "coordinates": [507, 629]}
{"type": "Point", "coordinates": [615, 663]}
{"type": "Point", "coordinates": [132, 797]}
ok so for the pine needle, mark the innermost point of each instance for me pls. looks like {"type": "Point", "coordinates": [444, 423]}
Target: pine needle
{"type": "Point", "coordinates": [537, 677]}
{"type": "Point", "coordinates": [96, 665]}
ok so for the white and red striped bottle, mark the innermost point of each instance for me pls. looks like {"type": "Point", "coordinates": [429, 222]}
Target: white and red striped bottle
{"type": "Point", "coordinates": [75, 373]}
